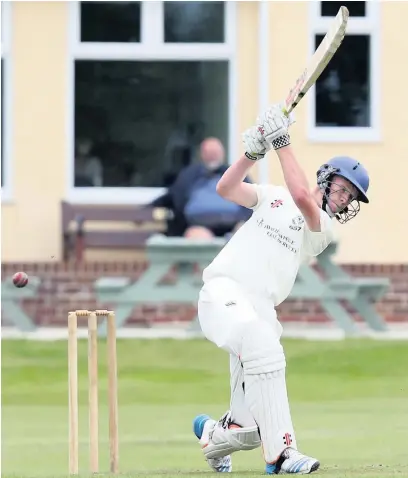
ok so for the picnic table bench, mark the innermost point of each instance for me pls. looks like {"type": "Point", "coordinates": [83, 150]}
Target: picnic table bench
{"type": "Point", "coordinates": [11, 298]}
{"type": "Point", "coordinates": [165, 253]}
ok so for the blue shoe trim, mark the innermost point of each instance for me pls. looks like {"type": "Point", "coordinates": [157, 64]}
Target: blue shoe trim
{"type": "Point", "coordinates": [301, 464]}
{"type": "Point", "coordinates": [295, 468]}
{"type": "Point", "coordinates": [223, 469]}
{"type": "Point", "coordinates": [270, 469]}
{"type": "Point", "coordinates": [198, 424]}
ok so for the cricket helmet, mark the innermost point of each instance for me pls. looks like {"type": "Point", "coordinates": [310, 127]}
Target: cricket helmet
{"type": "Point", "coordinates": [355, 173]}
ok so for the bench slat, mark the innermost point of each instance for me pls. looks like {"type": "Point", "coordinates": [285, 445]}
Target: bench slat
{"type": "Point", "coordinates": [116, 239]}
{"type": "Point", "coordinates": [108, 213]}
{"type": "Point", "coordinates": [77, 238]}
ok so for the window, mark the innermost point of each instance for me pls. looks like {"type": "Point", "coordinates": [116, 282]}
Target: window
{"type": "Point", "coordinates": [110, 21]}
{"type": "Point", "coordinates": [2, 120]}
{"type": "Point", "coordinates": [5, 101]}
{"type": "Point", "coordinates": [344, 104]}
{"type": "Point", "coordinates": [330, 9]}
{"type": "Point", "coordinates": [151, 80]}
{"type": "Point", "coordinates": [194, 22]}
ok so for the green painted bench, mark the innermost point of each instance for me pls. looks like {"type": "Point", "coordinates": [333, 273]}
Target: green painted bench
{"type": "Point", "coordinates": [11, 298]}
{"type": "Point", "coordinates": [165, 253]}
{"type": "Point", "coordinates": [336, 286]}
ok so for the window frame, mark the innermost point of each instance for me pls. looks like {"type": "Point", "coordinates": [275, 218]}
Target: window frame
{"type": "Point", "coordinates": [7, 174]}
{"type": "Point", "coordinates": [151, 47]}
{"type": "Point", "coordinates": [368, 25]}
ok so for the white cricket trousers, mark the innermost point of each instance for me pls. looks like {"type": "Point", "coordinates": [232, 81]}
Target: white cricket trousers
{"type": "Point", "coordinates": [223, 307]}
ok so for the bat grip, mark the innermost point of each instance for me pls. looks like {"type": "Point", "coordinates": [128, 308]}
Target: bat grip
{"type": "Point", "coordinates": [284, 111]}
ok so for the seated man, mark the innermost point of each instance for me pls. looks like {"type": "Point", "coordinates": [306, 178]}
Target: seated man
{"type": "Point", "coordinates": [199, 211]}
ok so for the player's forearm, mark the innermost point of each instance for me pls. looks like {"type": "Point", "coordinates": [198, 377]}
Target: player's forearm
{"type": "Point", "coordinates": [234, 175]}
{"type": "Point", "coordinates": [294, 175]}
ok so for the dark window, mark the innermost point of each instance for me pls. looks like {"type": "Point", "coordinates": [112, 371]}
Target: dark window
{"type": "Point", "coordinates": [110, 22]}
{"type": "Point", "coordinates": [343, 89]}
{"type": "Point", "coordinates": [194, 22]}
{"type": "Point", "coordinates": [330, 9]}
{"type": "Point", "coordinates": [3, 119]}
{"type": "Point", "coordinates": [138, 122]}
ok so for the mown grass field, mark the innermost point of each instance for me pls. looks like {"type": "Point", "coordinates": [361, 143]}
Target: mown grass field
{"type": "Point", "coordinates": [349, 403]}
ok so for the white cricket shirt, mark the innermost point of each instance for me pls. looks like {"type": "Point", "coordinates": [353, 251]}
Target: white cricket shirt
{"type": "Point", "coordinates": [264, 255]}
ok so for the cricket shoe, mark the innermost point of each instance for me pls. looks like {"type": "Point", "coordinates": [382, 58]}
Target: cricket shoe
{"type": "Point", "coordinates": [202, 427]}
{"type": "Point", "coordinates": [292, 461]}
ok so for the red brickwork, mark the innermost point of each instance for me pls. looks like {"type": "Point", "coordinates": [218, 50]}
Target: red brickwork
{"type": "Point", "coordinates": [66, 286]}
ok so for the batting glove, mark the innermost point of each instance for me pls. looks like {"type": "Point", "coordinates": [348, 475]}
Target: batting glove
{"type": "Point", "coordinates": [255, 143]}
{"type": "Point", "coordinates": [274, 125]}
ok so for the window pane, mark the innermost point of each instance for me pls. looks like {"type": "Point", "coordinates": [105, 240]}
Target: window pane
{"type": "Point", "coordinates": [2, 24]}
{"type": "Point", "coordinates": [343, 89]}
{"type": "Point", "coordinates": [110, 22]}
{"type": "Point", "coordinates": [194, 22]}
{"type": "Point", "coordinates": [138, 123]}
{"type": "Point", "coordinates": [330, 9]}
{"type": "Point", "coordinates": [3, 139]}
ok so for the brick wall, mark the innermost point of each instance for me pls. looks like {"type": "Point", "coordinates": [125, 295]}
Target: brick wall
{"type": "Point", "coordinates": [67, 287]}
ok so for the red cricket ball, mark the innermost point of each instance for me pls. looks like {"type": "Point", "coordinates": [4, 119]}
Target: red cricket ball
{"type": "Point", "coordinates": [20, 279]}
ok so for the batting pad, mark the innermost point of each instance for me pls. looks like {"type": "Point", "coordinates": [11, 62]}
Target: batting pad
{"type": "Point", "coordinates": [227, 440]}
{"type": "Point", "coordinates": [260, 350]}
{"type": "Point", "coordinates": [267, 400]}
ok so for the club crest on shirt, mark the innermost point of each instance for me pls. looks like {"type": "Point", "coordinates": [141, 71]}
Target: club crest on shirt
{"type": "Point", "coordinates": [297, 223]}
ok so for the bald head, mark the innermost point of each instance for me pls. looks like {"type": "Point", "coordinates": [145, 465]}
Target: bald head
{"type": "Point", "coordinates": [212, 153]}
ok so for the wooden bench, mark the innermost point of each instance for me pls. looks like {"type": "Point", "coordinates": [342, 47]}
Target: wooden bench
{"type": "Point", "coordinates": [165, 253]}
{"type": "Point", "coordinates": [11, 298]}
{"type": "Point", "coordinates": [362, 292]}
{"type": "Point", "coordinates": [329, 289]}
{"type": "Point", "coordinates": [78, 234]}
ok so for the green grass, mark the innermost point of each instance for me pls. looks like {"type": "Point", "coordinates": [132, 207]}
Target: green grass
{"type": "Point", "coordinates": [349, 403]}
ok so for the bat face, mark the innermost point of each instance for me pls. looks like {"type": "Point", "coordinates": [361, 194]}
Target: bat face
{"type": "Point", "coordinates": [320, 59]}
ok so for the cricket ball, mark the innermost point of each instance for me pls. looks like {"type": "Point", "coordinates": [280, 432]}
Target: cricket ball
{"type": "Point", "coordinates": [20, 279]}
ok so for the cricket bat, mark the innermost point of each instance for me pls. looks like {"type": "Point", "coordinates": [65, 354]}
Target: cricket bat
{"type": "Point", "coordinates": [320, 59]}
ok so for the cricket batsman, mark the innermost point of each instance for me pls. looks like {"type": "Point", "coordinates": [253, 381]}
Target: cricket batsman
{"type": "Point", "coordinates": [253, 274]}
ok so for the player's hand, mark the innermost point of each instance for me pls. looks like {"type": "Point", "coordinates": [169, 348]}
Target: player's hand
{"type": "Point", "coordinates": [274, 125]}
{"type": "Point", "coordinates": [255, 143]}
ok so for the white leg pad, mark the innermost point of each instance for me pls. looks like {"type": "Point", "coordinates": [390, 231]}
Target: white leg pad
{"type": "Point", "coordinates": [224, 440]}
{"type": "Point", "coordinates": [267, 400]}
{"type": "Point", "coordinates": [261, 350]}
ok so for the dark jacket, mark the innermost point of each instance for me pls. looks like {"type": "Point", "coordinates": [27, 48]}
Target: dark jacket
{"type": "Point", "coordinates": [177, 195]}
